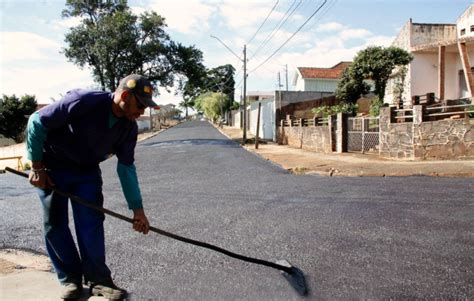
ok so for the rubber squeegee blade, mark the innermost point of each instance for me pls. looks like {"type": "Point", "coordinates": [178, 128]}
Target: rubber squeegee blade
{"type": "Point", "coordinates": [295, 277]}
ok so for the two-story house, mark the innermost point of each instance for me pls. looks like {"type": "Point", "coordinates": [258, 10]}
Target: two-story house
{"type": "Point", "coordinates": [442, 60]}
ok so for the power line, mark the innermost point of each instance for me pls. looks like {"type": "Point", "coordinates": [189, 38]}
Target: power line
{"type": "Point", "coordinates": [307, 20]}
{"type": "Point", "coordinates": [282, 21]}
{"type": "Point", "coordinates": [271, 11]}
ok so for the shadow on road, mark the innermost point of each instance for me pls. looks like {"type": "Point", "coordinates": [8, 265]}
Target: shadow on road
{"type": "Point", "coordinates": [191, 142]}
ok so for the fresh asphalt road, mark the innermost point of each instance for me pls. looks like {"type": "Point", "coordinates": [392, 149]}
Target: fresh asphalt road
{"type": "Point", "coordinates": [355, 238]}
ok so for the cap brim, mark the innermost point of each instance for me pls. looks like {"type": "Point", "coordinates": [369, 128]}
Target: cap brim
{"type": "Point", "coordinates": [146, 101]}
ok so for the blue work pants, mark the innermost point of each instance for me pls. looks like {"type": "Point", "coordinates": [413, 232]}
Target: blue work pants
{"type": "Point", "coordinates": [69, 266]}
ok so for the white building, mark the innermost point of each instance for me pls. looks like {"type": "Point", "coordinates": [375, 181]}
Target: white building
{"type": "Point", "coordinates": [442, 59]}
{"type": "Point", "coordinates": [318, 79]}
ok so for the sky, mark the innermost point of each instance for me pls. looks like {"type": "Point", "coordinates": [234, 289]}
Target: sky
{"type": "Point", "coordinates": [318, 33]}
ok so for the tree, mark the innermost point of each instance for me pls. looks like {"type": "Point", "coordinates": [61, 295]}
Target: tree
{"type": "Point", "coordinates": [113, 42]}
{"type": "Point", "coordinates": [375, 63]}
{"type": "Point", "coordinates": [186, 104]}
{"type": "Point", "coordinates": [221, 80]}
{"type": "Point", "coordinates": [211, 103]}
{"type": "Point", "coordinates": [13, 115]}
{"type": "Point", "coordinates": [351, 86]}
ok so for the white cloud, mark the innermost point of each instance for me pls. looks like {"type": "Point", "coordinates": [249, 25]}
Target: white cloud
{"type": "Point", "coordinates": [184, 16]}
{"type": "Point", "coordinates": [354, 34]}
{"type": "Point", "coordinates": [330, 26]}
{"type": "Point", "coordinates": [32, 64]}
{"type": "Point", "coordinates": [66, 23]}
{"type": "Point", "coordinates": [26, 46]}
{"type": "Point", "coordinates": [44, 83]}
{"type": "Point", "coordinates": [238, 14]}
{"type": "Point", "coordinates": [384, 41]}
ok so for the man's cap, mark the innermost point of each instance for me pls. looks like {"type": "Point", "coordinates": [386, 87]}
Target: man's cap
{"type": "Point", "coordinates": [141, 87]}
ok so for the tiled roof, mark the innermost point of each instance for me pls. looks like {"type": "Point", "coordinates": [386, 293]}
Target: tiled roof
{"type": "Point", "coordinates": [332, 73]}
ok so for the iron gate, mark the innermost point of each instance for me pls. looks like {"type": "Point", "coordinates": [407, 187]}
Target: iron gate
{"type": "Point", "coordinates": [363, 134]}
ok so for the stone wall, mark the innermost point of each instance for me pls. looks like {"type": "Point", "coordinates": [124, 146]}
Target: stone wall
{"type": "Point", "coordinates": [444, 139]}
{"type": "Point", "coordinates": [313, 138]}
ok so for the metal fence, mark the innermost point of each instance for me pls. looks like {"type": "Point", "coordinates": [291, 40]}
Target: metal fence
{"type": "Point", "coordinates": [363, 134]}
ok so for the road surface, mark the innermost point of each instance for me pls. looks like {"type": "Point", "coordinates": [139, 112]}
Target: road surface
{"type": "Point", "coordinates": [355, 238]}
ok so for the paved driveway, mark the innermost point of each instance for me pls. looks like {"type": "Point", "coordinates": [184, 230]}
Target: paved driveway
{"type": "Point", "coordinates": [355, 238]}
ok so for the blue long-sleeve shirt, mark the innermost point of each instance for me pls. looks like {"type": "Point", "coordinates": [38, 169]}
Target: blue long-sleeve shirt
{"type": "Point", "coordinates": [79, 132]}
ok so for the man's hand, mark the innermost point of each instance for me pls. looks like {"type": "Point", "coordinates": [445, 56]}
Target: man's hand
{"type": "Point", "coordinates": [38, 176]}
{"type": "Point", "coordinates": [140, 222]}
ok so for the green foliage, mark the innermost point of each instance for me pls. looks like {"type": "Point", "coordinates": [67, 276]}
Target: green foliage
{"type": "Point", "coordinates": [351, 86]}
{"type": "Point", "coordinates": [221, 80]}
{"type": "Point", "coordinates": [218, 80]}
{"type": "Point", "coordinates": [114, 42]}
{"type": "Point", "coordinates": [325, 111]}
{"type": "Point", "coordinates": [470, 111]}
{"type": "Point", "coordinates": [211, 104]}
{"type": "Point", "coordinates": [13, 115]}
{"type": "Point", "coordinates": [399, 85]}
{"type": "Point", "coordinates": [235, 106]}
{"type": "Point", "coordinates": [375, 63]}
{"type": "Point", "coordinates": [375, 106]}
{"type": "Point", "coordinates": [186, 104]}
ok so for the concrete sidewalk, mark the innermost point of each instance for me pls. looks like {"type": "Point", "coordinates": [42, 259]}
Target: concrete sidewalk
{"type": "Point", "coordinates": [301, 161]}
{"type": "Point", "coordinates": [27, 276]}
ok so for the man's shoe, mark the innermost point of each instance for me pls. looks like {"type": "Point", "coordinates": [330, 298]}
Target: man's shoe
{"type": "Point", "coordinates": [71, 291]}
{"type": "Point", "coordinates": [111, 292]}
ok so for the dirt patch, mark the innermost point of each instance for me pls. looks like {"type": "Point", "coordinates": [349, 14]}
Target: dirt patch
{"type": "Point", "coordinates": [17, 260]}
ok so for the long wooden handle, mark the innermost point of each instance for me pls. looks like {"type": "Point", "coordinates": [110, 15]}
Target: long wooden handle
{"type": "Point", "coordinates": [77, 199]}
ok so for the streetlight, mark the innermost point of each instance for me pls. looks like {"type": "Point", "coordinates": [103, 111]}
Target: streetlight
{"type": "Point", "coordinates": [244, 60]}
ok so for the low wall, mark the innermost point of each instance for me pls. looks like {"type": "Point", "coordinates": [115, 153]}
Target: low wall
{"type": "Point", "coordinates": [396, 140]}
{"type": "Point", "coordinates": [443, 139]}
{"type": "Point", "coordinates": [313, 138]}
{"type": "Point", "coordinates": [11, 151]}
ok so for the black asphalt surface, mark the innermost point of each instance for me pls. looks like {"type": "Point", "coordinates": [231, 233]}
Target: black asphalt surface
{"type": "Point", "coordinates": [355, 238]}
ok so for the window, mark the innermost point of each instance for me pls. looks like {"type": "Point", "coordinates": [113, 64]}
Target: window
{"type": "Point", "coordinates": [463, 31]}
{"type": "Point", "coordinates": [472, 28]}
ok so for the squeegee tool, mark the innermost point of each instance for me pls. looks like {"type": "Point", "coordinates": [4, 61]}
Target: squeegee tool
{"type": "Point", "coordinates": [292, 274]}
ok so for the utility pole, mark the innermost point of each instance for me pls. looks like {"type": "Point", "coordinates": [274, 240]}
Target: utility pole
{"type": "Point", "coordinates": [279, 81]}
{"type": "Point", "coordinates": [279, 94]}
{"type": "Point", "coordinates": [286, 70]}
{"type": "Point", "coordinates": [151, 119]}
{"type": "Point", "coordinates": [244, 136]}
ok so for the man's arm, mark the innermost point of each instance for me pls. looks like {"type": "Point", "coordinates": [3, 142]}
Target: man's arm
{"type": "Point", "coordinates": [131, 190]}
{"type": "Point", "coordinates": [36, 135]}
